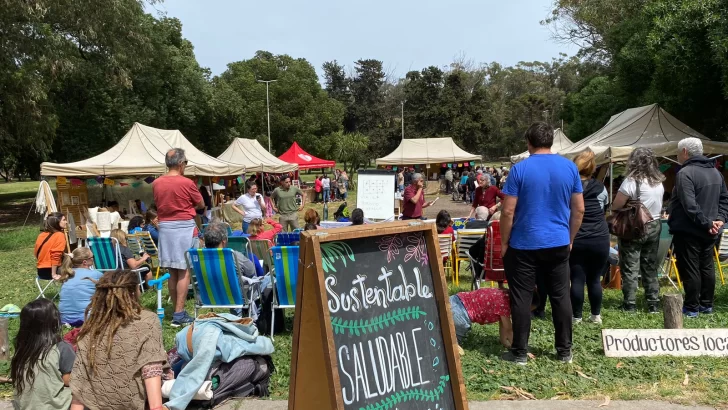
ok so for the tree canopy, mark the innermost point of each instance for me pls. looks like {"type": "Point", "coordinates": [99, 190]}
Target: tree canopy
{"type": "Point", "coordinates": [73, 82]}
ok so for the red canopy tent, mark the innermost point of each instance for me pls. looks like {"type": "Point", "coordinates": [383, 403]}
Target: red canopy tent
{"type": "Point", "coordinates": [296, 155]}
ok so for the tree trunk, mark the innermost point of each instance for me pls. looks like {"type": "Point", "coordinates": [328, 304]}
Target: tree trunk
{"type": "Point", "coordinates": [4, 340]}
{"type": "Point", "coordinates": [672, 309]}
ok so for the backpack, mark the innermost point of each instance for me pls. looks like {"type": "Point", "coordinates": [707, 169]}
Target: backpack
{"type": "Point", "coordinates": [243, 377]}
{"type": "Point", "coordinates": [630, 222]}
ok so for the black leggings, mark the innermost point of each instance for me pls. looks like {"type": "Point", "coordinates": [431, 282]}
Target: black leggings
{"type": "Point", "coordinates": [587, 264]}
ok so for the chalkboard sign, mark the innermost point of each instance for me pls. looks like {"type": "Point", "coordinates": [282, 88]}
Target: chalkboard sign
{"type": "Point", "coordinates": [372, 329]}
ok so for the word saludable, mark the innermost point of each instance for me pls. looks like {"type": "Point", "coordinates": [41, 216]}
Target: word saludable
{"type": "Point", "coordinates": [361, 297]}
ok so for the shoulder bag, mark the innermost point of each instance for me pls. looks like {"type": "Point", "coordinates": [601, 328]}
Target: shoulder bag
{"type": "Point", "coordinates": [630, 221]}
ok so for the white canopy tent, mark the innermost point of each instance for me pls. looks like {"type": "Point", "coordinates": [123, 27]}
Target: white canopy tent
{"type": "Point", "coordinates": [648, 126]}
{"type": "Point", "coordinates": [561, 142]}
{"type": "Point", "coordinates": [254, 157]}
{"type": "Point", "coordinates": [427, 151]}
{"type": "Point", "coordinates": [141, 152]}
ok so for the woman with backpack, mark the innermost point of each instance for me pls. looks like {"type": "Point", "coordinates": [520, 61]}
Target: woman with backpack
{"type": "Point", "coordinates": [638, 255]}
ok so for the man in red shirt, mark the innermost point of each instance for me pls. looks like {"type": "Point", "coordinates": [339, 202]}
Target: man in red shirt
{"type": "Point", "coordinates": [177, 199]}
{"type": "Point", "coordinates": [414, 199]}
{"type": "Point", "coordinates": [485, 195]}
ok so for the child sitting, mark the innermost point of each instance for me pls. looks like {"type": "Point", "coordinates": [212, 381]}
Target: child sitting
{"type": "Point", "coordinates": [127, 257]}
{"type": "Point", "coordinates": [484, 306]}
{"type": "Point", "coordinates": [41, 367]}
{"type": "Point", "coordinates": [444, 224]}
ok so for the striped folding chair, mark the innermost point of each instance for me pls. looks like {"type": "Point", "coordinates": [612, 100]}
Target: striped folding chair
{"type": "Point", "coordinates": [216, 282]}
{"type": "Point", "coordinates": [465, 239]}
{"type": "Point", "coordinates": [446, 251]}
{"type": "Point", "coordinates": [240, 244]}
{"type": "Point", "coordinates": [261, 249]}
{"type": "Point", "coordinates": [107, 257]}
{"type": "Point", "coordinates": [285, 279]}
{"type": "Point", "coordinates": [721, 251]}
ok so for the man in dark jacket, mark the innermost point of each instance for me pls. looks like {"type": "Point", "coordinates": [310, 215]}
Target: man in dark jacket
{"type": "Point", "coordinates": [698, 210]}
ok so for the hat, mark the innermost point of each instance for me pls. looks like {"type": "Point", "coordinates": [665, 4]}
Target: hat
{"type": "Point", "coordinates": [481, 213]}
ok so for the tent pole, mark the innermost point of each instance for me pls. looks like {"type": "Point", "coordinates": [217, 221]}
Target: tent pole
{"type": "Point", "coordinates": [611, 183]}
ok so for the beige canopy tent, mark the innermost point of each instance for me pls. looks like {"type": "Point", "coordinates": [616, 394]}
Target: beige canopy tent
{"type": "Point", "coordinates": [427, 151]}
{"type": "Point", "coordinates": [561, 143]}
{"type": "Point", "coordinates": [254, 157]}
{"type": "Point", "coordinates": [142, 152]}
{"type": "Point", "coordinates": [648, 126]}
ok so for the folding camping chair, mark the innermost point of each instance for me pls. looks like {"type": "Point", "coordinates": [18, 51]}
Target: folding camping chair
{"type": "Point", "coordinates": [285, 278]}
{"type": "Point", "coordinates": [137, 245]}
{"type": "Point", "coordinates": [42, 290]}
{"type": "Point", "coordinates": [261, 249]}
{"type": "Point", "coordinates": [240, 244]}
{"type": "Point", "coordinates": [494, 271]}
{"type": "Point", "coordinates": [288, 238]}
{"type": "Point", "coordinates": [107, 257]}
{"type": "Point", "coordinates": [216, 282]}
{"type": "Point", "coordinates": [446, 251]}
{"type": "Point", "coordinates": [722, 252]}
{"type": "Point", "coordinates": [465, 239]}
{"type": "Point", "coordinates": [665, 256]}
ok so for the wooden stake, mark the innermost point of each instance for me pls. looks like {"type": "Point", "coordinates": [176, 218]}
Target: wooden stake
{"type": "Point", "coordinates": [4, 340]}
{"type": "Point", "coordinates": [672, 308]}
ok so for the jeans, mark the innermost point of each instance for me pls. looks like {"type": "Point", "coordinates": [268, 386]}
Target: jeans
{"type": "Point", "coordinates": [245, 226]}
{"type": "Point", "coordinates": [401, 188]}
{"type": "Point", "coordinates": [697, 271]}
{"type": "Point", "coordinates": [587, 263]}
{"type": "Point", "coordinates": [522, 267]}
{"type": "Point", "coordinates": [472, 196]}
{"type": "Point", "coordinates": [638, 258]}
{"type": "Point", "coordinates": [460, 318]}
{"type": "Point", "coordinates": [327, 192]}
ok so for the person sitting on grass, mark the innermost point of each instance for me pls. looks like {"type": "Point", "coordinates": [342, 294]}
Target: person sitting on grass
{"type": "Point", "coordinates": [484, 306]}
{"type": "Point", "coordinates": [258, 232]}
{"type": "Point", "coordinates": [78, 287]}
{"type": "Point", "coordinates": [41, 367]}
{"type": "Point", "coordinates": [357, 217]}
{"type": "Point", "coordinates": [127, 257]}
{"type": "Point", "coordinates": [120, 359]}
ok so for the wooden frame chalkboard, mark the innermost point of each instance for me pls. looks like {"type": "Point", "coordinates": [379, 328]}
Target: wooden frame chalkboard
{"type": "Point", "coordinates": [315, 381]}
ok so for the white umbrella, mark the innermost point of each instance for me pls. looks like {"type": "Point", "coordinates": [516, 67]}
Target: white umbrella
{"type": "Point", "coordinates": [45, 203]}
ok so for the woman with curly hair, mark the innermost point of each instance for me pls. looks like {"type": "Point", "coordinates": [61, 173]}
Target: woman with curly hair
{"type": "Point", "coordinates": [120, 358]}
{"type": "Point", "coordinates": [638, 257]}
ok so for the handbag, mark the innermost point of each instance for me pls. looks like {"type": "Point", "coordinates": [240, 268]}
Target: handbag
{"type": "Point", "coordinates": [630, 221]}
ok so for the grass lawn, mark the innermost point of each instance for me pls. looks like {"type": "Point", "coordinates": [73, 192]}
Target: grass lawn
{"type": "Point", "coordinates": [591, 376]}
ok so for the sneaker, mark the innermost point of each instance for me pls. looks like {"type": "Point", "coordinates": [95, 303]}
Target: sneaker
{"type": "Point", "coordinates": [510, 357]}
{"type": "Point", "coordinates": [596, 319]}
{"type": "Point", "coordinates": [575, 320]}
{"type": "Point", "coordinates": [629, 307]}
{"type": "Point", "coordinates": [653, 309]}
{"type": "Point", "coordinates": [566, 359]}
{"type": "Point", "coordinates": [690, 314]}
{"type": "Point", "coordinates": [706, 310]}
{"type": "Point", "coordinates": [182, 319]}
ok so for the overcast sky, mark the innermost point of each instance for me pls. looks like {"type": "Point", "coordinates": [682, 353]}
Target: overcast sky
{"type": "Point", "coordinates": [405, 34]}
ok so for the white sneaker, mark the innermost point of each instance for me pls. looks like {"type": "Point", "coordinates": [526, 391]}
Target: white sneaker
{"type": "Point", "coordinates": [575, 320]}
{"type": "Point", "coordinates": [596, 319]}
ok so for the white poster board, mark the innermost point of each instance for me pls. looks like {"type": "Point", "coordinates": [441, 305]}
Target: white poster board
{"type": "Point", "coordinates": [375, 193]}
{"type": "Point", "coordinates": [665, 342]}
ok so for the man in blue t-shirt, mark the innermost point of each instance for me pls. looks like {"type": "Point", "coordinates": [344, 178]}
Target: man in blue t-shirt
{"type": "Point", "coordinates": [540, 217]}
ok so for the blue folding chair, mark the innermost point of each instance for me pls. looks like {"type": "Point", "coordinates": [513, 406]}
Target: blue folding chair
{"type": "Point", "coordinates": [217, 283]}
{"type": "Point", "coordinates": [285, 278]}
{"type": "Point", "coordinates": [288, 238]}
{"type": "Point", "coordinates": [107, 257]}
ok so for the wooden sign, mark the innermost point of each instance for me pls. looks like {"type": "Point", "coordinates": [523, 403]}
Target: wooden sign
{"type": "Point", "coordinates": [664, 342]}
{"type": "Point", "coordinates": [373, 328]}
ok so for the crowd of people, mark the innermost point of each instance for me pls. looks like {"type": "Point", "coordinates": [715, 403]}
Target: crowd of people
{"type": "Point", "coordinates": [556, 241]}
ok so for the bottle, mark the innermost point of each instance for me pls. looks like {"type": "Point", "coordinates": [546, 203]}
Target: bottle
{"type": "Point", "coordinates": [326, 211]}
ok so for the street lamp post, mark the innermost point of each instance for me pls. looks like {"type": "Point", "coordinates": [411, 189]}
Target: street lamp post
{"type": "Point", "coordinates": [267, 105]}
{"type": "Point", "coordinates": [403, 101]}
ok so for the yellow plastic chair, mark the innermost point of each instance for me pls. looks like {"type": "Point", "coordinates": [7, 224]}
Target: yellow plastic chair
{"type": "Point", "coordinates": [446, 252]}
{"type": "Point", "coordinates": [722, 250]}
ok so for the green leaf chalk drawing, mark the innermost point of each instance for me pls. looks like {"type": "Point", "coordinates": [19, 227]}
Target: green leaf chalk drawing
{"type": "Point", "coordinates": [331, 251]}
{"type": "Point", "coordinates": [377, 323]}
{"type": "Point", "coordinates": [409, 395]}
